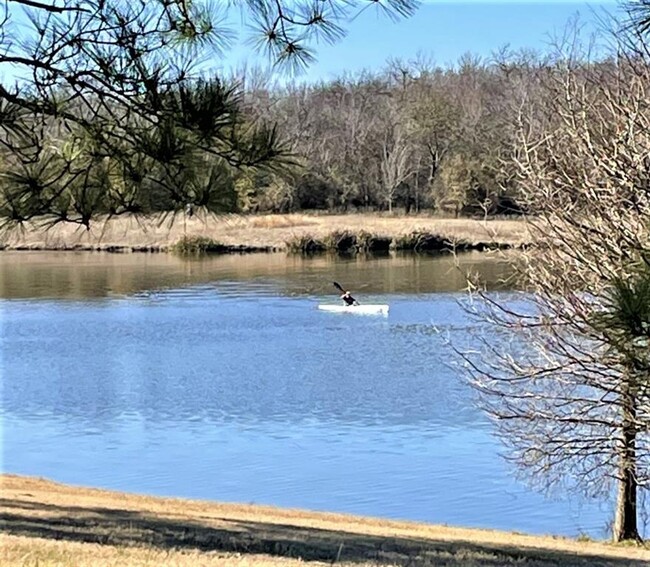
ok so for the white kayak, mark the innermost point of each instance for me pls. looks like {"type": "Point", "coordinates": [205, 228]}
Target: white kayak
{"type": "Point", "coordinates": [358, 309]}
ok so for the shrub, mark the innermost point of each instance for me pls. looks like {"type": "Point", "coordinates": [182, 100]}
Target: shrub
{"type": "Point", "coordinates": [198, 245]}
{"type": "Point", "coordinates": [367, 242]}
{"type": "Point", "coordinates": [305, 244]}
{"type": "Point", "coordinates": [420, 241]}
{"type": "Point", "coordinates": [342, 241]}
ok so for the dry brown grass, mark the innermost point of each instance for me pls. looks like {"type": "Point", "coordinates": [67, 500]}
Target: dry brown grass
{"type": "Point", "coordinates": [22, 551]}
{"type": "Point", "coordinates": [47, 523]}
{"type": "Point", "coordinates": [278, 221]}
{"type": "Point", "coordinates": [255, 230]}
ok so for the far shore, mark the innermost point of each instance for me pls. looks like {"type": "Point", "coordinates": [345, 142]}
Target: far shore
{"type": "Point", "coordinates": [255, 233]}
{"type": "Point", "coordinates": [47, 523]}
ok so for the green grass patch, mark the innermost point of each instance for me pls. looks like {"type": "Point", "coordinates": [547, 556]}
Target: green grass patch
{"type": "Point", "coordinates": [305, 244]}
{"type": "Point", "coordinates": [198, 245]}
{"type": "Point", "coordinates": [368, 242]}
{"type": "Point", "coordinates": [341, 242]}
{"type": "Point", "coordinates": [344, 242]}
{"type": "Point", "coordinates": [364, 242]}
{"type": "Point", "coordinates": [421, 241]}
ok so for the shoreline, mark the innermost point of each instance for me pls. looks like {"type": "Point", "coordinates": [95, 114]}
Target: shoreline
{"type": "Point", "coordinates": [242, 234]}
{"type": "Point", "coordinates": [58, 524]}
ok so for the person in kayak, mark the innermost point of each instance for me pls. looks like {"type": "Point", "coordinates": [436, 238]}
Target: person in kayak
{"type": "Point", "coordinates": [349, 300]}
{"type": "Point", "coordinates": [346, 297]}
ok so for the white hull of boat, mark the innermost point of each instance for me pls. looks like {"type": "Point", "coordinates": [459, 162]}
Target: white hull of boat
{"type": "Point", "coordinates": [358, 309]}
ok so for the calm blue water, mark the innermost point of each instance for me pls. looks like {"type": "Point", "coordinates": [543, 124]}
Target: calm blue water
{"type": "Point", "coordinates": [241, 390]}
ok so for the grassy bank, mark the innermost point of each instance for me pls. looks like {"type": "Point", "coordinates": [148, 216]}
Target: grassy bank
{"type": "Point", "coordinates": [237, 233]}
{"type": "Point", "coordinates": [47, 524]}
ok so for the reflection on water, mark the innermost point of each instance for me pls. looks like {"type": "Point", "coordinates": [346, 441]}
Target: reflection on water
{"type": "Point", "coordinates": [77, 275]}
{"type": "Point", "coordinates": [220, 379]}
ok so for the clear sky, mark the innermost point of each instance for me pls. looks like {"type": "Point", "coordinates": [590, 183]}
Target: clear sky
{"type": "Point", "coordinates": [445, 30]}
{"type": "Point", "coordinates": [441, 30]}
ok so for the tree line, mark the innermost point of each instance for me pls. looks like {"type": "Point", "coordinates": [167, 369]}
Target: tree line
{"type": "Point", "coordinates": [121, 122]}
{"type": "Point", "coordinates": [414, 137]}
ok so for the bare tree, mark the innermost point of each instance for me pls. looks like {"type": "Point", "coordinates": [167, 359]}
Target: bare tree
{"type": "Point", "coordinates": [435, 116]}
{"type": "Point", "coordinates": [396, 149]}
{"type": "Point", "coordinates": [566, 374]}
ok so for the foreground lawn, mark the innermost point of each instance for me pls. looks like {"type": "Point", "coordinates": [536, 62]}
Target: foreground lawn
{"type": "Point", "coordinates": [47, 524]}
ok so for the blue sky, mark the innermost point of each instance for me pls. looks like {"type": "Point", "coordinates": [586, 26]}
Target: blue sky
{"type": "Point", "coordinates": [444, 31]}
{"type": "Point", "coordinates": [440, 30]}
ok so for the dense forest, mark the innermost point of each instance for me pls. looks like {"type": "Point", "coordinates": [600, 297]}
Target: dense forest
{"type": "Point", "coordinates": [414, 137]}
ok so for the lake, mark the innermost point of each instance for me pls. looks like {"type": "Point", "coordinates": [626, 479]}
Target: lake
{"type": "Point", "coordinates": [218, 378]}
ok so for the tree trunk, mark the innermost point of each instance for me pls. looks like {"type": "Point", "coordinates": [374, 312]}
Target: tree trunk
{"type": "Point", "coordinates": [625, 522]}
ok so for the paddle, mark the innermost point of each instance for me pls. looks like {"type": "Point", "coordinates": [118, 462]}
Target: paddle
{"type": "Point", "coordinates": [340, 288]}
